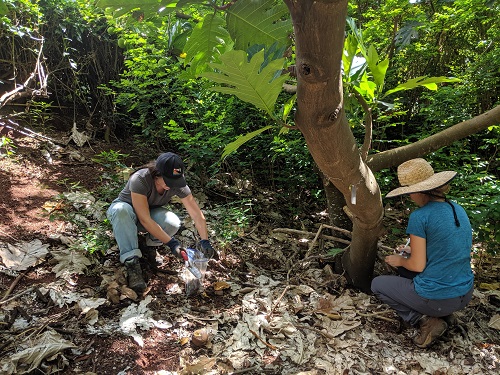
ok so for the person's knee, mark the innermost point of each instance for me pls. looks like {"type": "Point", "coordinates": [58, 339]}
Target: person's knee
{"type": "Point", "coordinates": [120, 211]}
{"type": "Point", "coordinates": [172, 223]}
{"type": "Point", "coordinates": [376, 284]}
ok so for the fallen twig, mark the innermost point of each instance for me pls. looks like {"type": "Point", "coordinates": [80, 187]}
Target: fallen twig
{"type": "Point", "coordinates": [247, 369]}
{"type": "Point", "coordinates": [313, 242]}
{"type": "Point", "coordinates": [305, 233]}
{"type": "Point", "coordinates": [29, 290]}
{"type": "Point", "coordinates": [324, 334]}
{"type": "Point", "coordinates": [263, 341]}
{"type": "Point", "coordinates": [277, 302]}
{"type": "Point", "coordinates": [12, 286]}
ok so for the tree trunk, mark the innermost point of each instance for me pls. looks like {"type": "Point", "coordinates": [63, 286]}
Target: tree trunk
{"type": "Point", "coordinates": [319, 28]}
{"type": "Point", "coordinates": [335, 202]}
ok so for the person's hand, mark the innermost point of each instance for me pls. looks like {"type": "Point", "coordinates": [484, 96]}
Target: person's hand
{"type": "Point", "coordinates": [405, 248]}
{"type": "Point", "coordinates": [175, 247]}
{"type": "Point", "coordinates": [394, 260]}
{"type": "Point", "coordinates": [207, 249]}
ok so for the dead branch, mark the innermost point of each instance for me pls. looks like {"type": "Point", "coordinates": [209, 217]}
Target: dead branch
{"type": "Point", "coordinates": [12, 286]}
{"type": "Point", "coordinates": [313, 242]}
{"type": "Point", "coordinates": [305, 233]}
{"type": "Point", "coordinates": [42, 80]}
{"type": "Point", "coordinates": [29, 290]}
{"type": "Point", "coordinates": [29, 133]}
{"type": "Point", "coordinates": [324, 334]}
{"type": "Point", "coordinates": [263, 341]}
{"type": "Point", "coordinates": [277, 303]}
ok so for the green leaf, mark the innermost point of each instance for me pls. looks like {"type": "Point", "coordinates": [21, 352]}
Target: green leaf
{"type": "Point", "coordinates": [3, 8]}
{"type": "Point", "coordinates": [259, 22]}
{"type": "Point", "coordinates": [407, 33]}
{"type": "Point", "coordinates": [430, 83]}
{"type": "Point", "coordinates": [149, 7]}
{"type": "Point", "coordinates": [366, 88]}
{"type": "Point", "coordinates": [247, 80]}
{"type": "Point", "coordinates": [350, 49]}
{"type": "Point", "coordinates": [378, 69]}
{"type": "Point", "coordinates": [207, 42]}
{"type": "Point", "coordinates": [242, 139]}
{"type": "Point", "coordinates": [288, 106]}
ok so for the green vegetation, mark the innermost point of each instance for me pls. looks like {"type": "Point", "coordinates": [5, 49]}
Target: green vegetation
{"type": "Point", "coordinates": [7, 147]}
{"type": "Point", "coordinates": [144, 76]}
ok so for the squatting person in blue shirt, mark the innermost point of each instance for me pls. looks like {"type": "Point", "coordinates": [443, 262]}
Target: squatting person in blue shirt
{"type": "Point", "coordinates": [436, 279]}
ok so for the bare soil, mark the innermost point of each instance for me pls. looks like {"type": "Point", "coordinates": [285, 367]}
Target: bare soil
{"type": "Point", "coordinates": [28, 181]}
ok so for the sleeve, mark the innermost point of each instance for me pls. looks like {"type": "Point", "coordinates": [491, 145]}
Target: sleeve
{"type": "Point", "coordinates": [416, 225]}
{"type": "Point", "coordinates": [183, 192]}
{"type": "Point", "coordinates": [137, 184]}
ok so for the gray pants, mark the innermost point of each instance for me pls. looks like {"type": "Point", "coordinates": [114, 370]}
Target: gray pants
{"type": "Point", "coordinates": [399, 293]}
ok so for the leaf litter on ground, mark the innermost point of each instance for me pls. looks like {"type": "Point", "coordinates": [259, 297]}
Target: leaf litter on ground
{"type": "Point", "coordinates": [310, 320]}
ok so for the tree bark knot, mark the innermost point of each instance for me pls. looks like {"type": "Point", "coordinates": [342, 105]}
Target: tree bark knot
{"type": "Point", "coordinates": [305, 69]}
{"type": "Point", "coordinates": [335, 114]}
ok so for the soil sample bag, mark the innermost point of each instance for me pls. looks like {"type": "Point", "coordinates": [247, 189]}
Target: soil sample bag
{"type": "Point", "coordinates": [193, 284]}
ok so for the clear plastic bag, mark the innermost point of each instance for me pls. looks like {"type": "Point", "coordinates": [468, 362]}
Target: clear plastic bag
{"type": "Point", "coordinates": [192, 284]}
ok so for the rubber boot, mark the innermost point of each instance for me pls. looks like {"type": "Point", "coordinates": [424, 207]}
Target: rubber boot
{"type": "Point", "coordinates": [134, 275]}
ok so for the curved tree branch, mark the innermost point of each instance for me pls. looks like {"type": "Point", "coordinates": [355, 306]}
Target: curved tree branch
{"type": "Point", "coordinates": [396, 156]}
{"type": "Point", "coordinates": [368, 125]}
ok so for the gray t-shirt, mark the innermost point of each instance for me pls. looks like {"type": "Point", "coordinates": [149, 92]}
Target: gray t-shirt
{"type": "Point", "coordinates": [141, 182]}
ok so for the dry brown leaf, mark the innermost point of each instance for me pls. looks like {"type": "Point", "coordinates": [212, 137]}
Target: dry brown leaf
{"type": "Point", "coordinates": [113, 296]}
{"type": "Point", "coordinates": [127, 293]}
{"type": "Point", "coordinates": [221, 285]}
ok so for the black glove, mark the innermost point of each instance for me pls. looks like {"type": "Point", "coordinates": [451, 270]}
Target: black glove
{"type": "Point", "coordinates": [207, 249]}
{"type": "Point", "coordinates": [175, 247]}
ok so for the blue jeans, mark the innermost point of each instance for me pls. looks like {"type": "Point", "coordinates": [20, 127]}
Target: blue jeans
{"type": "Point", "coordinates": [126, 227]}
{"type": "Point", "coordinates": [399, 293]}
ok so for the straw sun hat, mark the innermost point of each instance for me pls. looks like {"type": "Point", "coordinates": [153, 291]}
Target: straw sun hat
{"type": "Point", "coordinates": [417, 175]}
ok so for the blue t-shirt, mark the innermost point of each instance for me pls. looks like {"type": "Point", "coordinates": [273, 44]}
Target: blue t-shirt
{"type": "Point", "coordinates": [447, 272]}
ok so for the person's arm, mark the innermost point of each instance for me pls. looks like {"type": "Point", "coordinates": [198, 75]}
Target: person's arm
{"type": "Point", "coordinates": [201, 225]}
{"type": "Point", "coordinates": [418, 259]}
{"type": "Point", "coordinates": [197, 215]}
{"type": "Point", "coordinates": [141, 207]}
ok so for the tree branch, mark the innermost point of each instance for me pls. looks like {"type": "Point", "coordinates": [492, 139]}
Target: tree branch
{"type": "Point", "coordinates": [368, 125]}
{"type": "Point", "coordinates": [396, 156]}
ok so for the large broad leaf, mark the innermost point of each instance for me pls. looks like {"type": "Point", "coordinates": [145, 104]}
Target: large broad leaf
{"type": "Point", "coordinates": [24, 255]}
{"type": "Point", "coordinates": [148, 7]}
{"type": "Point", "coordinates": [207, 42]}
{"type": "Point", "coordinates": [70, 262]}
{"type": "Point", "coordinates": [407, 33]}
{"type": "Point", "coordinates": [430, 83]}
{"type": "Point", "coordinates": [247, 80]}
{"type": "Point", "coordinates": [3, 8]}
{"type": "Point", "coordinates": [259, 22]}
{"type": "Point", "coordinates": [349, 53]}
{"type": "Point", "coordinates": [377, 68]}
{"type": "Point", "coordinates": [48, 345]}
{"type": "Point", "coordinates": [233, 146]}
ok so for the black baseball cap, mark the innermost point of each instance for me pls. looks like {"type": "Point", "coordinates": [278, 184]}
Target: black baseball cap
{"type": "Point", "coordinates": [171, 167]}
